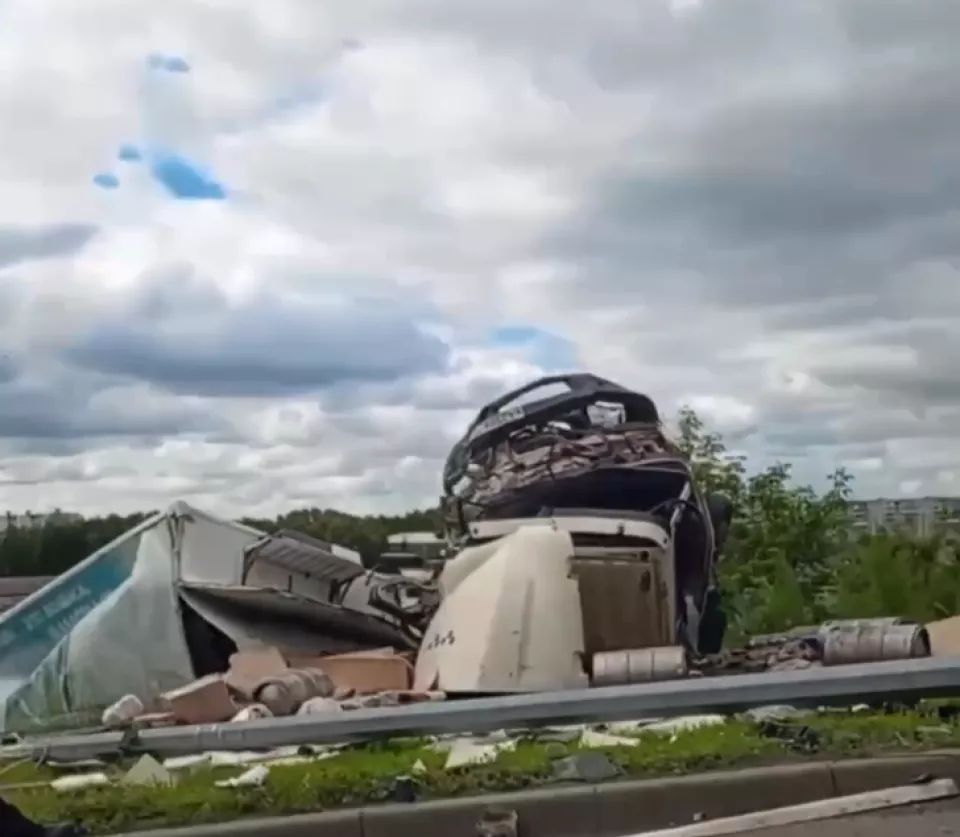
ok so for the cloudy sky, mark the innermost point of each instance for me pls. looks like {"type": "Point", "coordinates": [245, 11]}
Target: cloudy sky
{"type": "Point", "coordinates": [267, 255]}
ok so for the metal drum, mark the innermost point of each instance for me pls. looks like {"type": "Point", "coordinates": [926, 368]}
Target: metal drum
{"type": "Point", "coordinates": [858, 623]}
{"type": "Point", "coordinates": [286, 692]}
{"type": "Point", "coordinates": [639, 665]}
{"type": "Point", "coordinates": [872, 641]}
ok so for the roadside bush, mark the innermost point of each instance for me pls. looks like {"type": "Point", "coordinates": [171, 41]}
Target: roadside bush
{"type": "Point", "coordinates": [792, 558]}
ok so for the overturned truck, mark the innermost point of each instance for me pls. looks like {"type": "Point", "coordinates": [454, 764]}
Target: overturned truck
{"type": "Point", "coordinates": [585, 548]}
{"type": "Point", "coordinates": [580, 552]}
{"type": "Point", "coordinates": [585, 553]}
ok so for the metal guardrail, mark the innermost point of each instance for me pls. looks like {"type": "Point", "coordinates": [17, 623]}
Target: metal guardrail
{"type": "Point", "coordinates": [840, 686]}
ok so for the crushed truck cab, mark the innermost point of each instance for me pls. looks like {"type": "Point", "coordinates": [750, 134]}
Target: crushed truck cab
{"type": "Point", "coordinates": [584, 551]}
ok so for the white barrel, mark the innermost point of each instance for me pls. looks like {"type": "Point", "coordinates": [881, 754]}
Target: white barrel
{"type": "Point", "coordinates": [639, 665]}
{"type": "Point", "coordinates": [285, 693]}
{"type": "Point", "coordinates": [873, 641]}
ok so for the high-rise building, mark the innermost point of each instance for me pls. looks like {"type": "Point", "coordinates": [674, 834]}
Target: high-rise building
{"type": "Point", "coordinates": [914, 515]}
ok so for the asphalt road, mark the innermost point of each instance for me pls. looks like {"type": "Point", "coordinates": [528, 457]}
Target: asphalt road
{"type": "Point", "coordinates": [938, 820]}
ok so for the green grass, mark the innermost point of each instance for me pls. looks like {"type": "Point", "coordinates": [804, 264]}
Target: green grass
{"type": "Point", "coordinates": [368, 774]}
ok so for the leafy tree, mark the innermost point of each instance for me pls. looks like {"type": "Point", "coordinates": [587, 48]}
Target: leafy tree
{"type": "Point", "coordinates": [891, 574]}
{"type": "Point", "coordinates": [791, 558]}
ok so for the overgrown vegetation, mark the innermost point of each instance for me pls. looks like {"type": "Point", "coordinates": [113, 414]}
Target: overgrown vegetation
{"type": "Point", "coordinates": [791, 557]}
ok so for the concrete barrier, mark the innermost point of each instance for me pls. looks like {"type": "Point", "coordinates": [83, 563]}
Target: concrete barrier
{"type": "Point", "coordinates": [605, 810]}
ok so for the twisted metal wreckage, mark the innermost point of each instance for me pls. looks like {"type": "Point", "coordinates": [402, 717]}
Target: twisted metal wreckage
{"type": "Point", "coordinates": [580, 553]}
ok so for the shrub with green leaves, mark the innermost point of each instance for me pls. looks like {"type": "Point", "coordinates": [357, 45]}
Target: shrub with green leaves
{"type": "Point", "coordinates": [791, 557]}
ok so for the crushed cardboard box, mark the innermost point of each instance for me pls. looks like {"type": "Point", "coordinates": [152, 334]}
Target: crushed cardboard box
{"type": "Point", "coordinates": [365, 673]}
{"type": "Point", "coordinates": [205, 701]}
{"type": "Point", "coordinates": [944, 637]}
{"type": "Point", "coordinates": [283, 683]}
{"type": "Point", "coordinates": [251, 666]}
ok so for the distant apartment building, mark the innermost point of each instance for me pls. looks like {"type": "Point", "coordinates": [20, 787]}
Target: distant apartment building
{"type": "Point", "coordinates": [914, 515]}
{"type": "Point", "coordinates": [29, 520]}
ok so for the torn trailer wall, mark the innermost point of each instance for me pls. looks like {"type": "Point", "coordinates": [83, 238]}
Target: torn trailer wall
{"type": "Point", "coordinates": [130, 642]}
{"type": "Point", "coordinates": [33, 628]}
{"type": "Point", "coordinates": [166, 603]}
{"type": "Point", "coordinates": [112, 625]}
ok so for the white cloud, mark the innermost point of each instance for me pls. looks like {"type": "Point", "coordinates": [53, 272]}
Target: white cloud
{"type": "Point", "coordinates": [749, 207]}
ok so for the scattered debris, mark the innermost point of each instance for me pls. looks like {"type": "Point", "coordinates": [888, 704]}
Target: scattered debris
{"type": "Point", "coordinates": [252, 778]}
{"type": "Point", "coordinates": [365, 673]}
{"type": "Point", "coordinates": [253, 712]}
{"type": "Point", "coordinates": [945, 637]}
{"type": "Point", "coordinates": [320, 706]}
{"type": "Point", "coordinates": [211, 622]}
{"type": "Point", "coordinates": [560, 735]}
{"type": "Point", "coordinates": [284, 694]}
{"type": "Point", "coordinates": [231, 758]}
{"type": "Point", "coordinates": [123, 712]}
{"type": "Point", "coordinates": [770, 654]}
{"type": "Point", "coordinates": [588, 766]}
{"type": "Point", "coordinates": [79, 781]}
{"type": "Point", "coordinates": [252, 666]}
{"type": "Point", "coordinates": [205, 701]}
{"type": "Point", "coordinates": [593, 738]}
{"type": "Point", "coordinates": [774, 713]}
{"type": "Point", "coordinates": [464, 752]}
{"type": "Point", "coordinates": [674, 726]}
{"type": "Point", "coordinates": [796, 736]}
{"type": "Point", "coordinates": [148, 771]}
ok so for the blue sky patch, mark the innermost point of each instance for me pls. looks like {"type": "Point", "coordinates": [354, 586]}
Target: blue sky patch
{"type": "Point", "coordinates": [106, 180]}
{"type": "Point", "coordinates": [180, 175]}
{"type": "Point", "coordinates": [543, 348]}
{"type": "Point", "coordinates": [168, 63]}
{"type": "Point", "coordinates": [186, 181]}
{"type": "Point", "coordinates": [128, 153]}
{"type": "Point", "coordinates": [516, 335]}
{"type": "Point", "coordinates": [166, 105]}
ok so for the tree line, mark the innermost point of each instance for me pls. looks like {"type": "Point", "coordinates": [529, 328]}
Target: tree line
{"type": "Point", "coordinates": [791, 556]}
{"type": "Point", "coordinates": [45, 550]}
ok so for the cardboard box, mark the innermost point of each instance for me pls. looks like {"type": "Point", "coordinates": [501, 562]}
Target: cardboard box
{"type": "Point", "coordinates": [945, 637]}
{"type": "Point", "coordinates": [365, 672]}
{"type": "Point", "coordinates": [251, 665]}
{"type": "Point", "coordinates": [205, 701]}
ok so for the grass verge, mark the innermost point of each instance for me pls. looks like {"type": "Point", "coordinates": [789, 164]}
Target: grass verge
{"type": "Point", "coordinates": [368, 774]}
